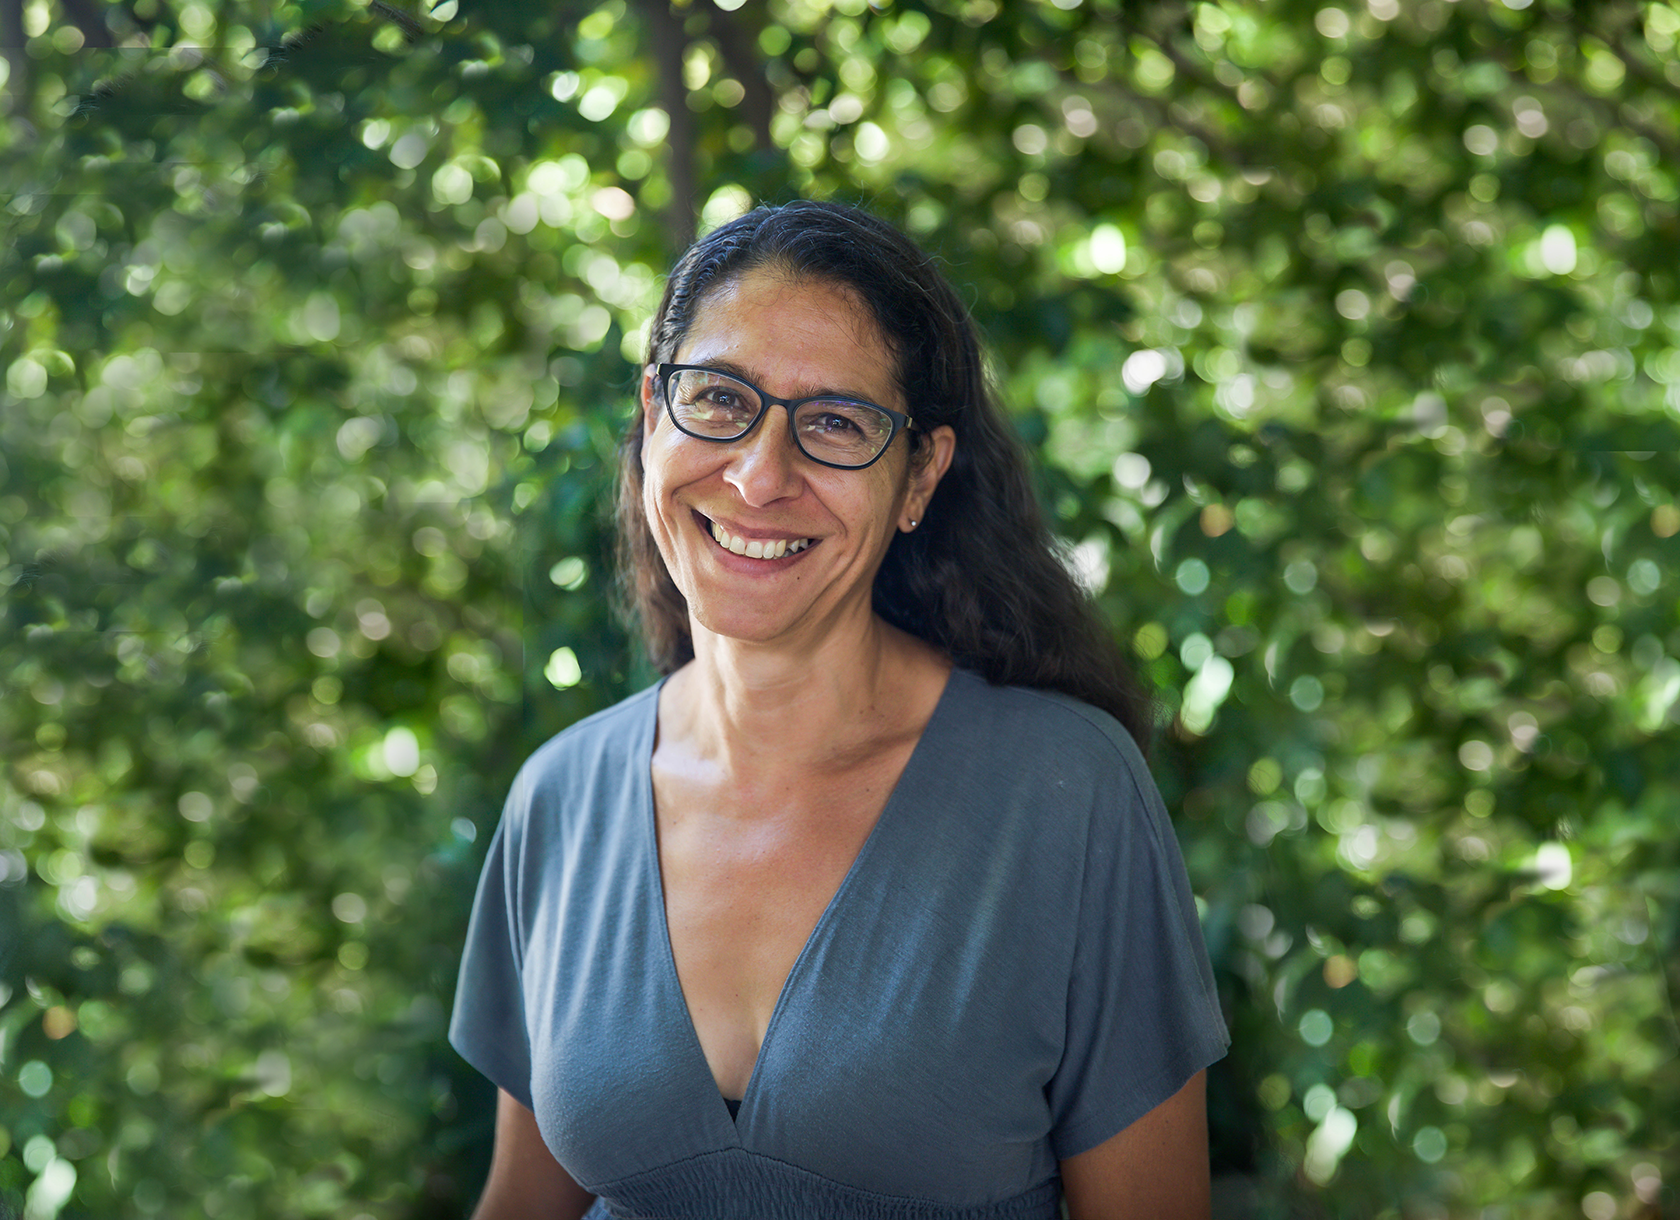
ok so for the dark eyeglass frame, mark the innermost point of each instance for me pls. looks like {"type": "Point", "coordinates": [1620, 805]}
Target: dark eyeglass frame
{"type": "Point", "coordinates": [900, 421]}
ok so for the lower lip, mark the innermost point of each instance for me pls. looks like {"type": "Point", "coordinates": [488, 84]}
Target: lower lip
{"type": "Point", "coordinates": [746, 563]}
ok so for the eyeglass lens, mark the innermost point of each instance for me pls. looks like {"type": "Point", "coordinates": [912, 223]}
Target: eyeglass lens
{"type": "Point", "coordinates": [718, 407]}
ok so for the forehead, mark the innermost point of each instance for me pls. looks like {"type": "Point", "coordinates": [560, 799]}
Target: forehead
{"type": "Point", "coordinates": [776, 326]}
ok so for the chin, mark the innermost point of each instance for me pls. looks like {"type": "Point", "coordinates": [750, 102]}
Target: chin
{"type": "Point", "coordinates": [744, 628]}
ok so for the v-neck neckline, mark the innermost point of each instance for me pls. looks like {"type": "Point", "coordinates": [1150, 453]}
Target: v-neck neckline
{"type": "Point", "coordinates": [736, 1123]}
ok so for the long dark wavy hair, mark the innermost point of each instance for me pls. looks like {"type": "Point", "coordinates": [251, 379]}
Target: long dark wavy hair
{"type": "Point", "coordinates": [980, 578]}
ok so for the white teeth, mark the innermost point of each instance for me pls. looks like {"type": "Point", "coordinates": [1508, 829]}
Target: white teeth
{"type": "Point", "coordinates": [756, 549]}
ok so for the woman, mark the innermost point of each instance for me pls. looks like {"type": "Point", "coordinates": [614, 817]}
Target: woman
{"type": "Point", "coordinates": [869, 908]}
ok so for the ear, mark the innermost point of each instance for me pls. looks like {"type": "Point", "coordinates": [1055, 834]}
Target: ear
{"type": "Point", "coordinates": [928, 465]}
{"type": "Point", "coordinates": [649, 393]}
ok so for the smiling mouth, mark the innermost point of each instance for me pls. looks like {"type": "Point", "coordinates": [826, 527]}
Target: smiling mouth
{"type": "Point", "coordinates": [755, 548]}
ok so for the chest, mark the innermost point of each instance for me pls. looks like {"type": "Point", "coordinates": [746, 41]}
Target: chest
{"type": "Point", "coordinates": [746, 877]}
{"type": "Point", "coordinates": [887, 990]}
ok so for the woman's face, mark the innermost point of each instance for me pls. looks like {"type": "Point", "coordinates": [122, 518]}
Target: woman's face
{"type": "Point", "coordinates": [793, 339]}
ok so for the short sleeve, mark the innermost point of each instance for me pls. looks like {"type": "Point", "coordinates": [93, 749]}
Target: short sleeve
{"type": "Point", "coordinates": [1143, 1011]}
{"type": "Point", "coordinates": [488, 1025]}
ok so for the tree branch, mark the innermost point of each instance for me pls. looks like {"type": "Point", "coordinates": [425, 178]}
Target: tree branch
{"type": "Point", "coordinates": [1215, 144]}
{"type": "Point", "coordinates": [1631, 63]}
{"type": "Point", "coordinates": [1607, 109]}
{"type": "Point", "coordinates": [411, 28]}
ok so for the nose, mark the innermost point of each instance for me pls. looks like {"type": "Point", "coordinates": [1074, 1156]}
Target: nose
{"type": "Point", "coordinates": [764, 465]}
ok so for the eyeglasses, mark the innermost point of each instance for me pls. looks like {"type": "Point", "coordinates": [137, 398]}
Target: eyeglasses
{"type": "Point", "coordinates": [715, 406]}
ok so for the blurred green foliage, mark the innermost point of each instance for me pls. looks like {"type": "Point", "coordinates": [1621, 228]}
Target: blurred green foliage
{"type": "Point", "coordinates": [1349, 339]}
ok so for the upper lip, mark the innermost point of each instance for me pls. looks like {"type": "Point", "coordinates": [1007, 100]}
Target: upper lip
{"type": "Point", "coordinates": [755, 535]}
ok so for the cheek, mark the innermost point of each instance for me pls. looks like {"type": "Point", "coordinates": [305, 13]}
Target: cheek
{"type": "Point", "coordinates": [891, 488]}
{"type": "Point", "coordinates": [653, 485]}
{"type": "Point", "coordinates": [654, 504]}
{"type": "Point", "coordinates": [666, 517]}
{"type": "Point", "coordinates": [656, 467]}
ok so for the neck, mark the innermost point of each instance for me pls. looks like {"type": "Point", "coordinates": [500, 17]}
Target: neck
{"type": "Point", "coordinates": [764, 707]}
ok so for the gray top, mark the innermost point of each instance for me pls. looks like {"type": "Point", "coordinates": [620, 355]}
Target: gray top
{"type": "Point", "coordinates": [1011, 972]}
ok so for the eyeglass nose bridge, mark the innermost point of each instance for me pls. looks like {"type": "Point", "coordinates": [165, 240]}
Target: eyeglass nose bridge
{"type": "Point", "coordinates": [765, 402]}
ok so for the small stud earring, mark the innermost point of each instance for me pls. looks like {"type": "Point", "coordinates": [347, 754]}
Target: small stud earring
{"type": "Point", "coordinates": [914, 523]}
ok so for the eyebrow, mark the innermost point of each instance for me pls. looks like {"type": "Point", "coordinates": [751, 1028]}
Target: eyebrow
{"type": "Point", "coordinates": [736, 370]}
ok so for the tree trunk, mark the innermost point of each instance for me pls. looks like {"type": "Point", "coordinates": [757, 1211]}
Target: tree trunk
{"type": "Point", "coordinates": [740, 55]}
{"type": "Point", "coordinates": [87, 18]}
{"type": "Point", "coordinates": [11, 45]}
{"type": "Point", "coordinates": [668, 41]}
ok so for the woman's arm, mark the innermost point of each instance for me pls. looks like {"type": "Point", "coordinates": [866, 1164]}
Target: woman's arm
{"type": "Point", "coordinates": [526, 1182]}
{"type": "Point", "coordinates": [1157, 1167]}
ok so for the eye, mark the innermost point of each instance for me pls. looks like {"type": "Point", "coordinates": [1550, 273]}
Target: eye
{"type": "Point", "coordinates": [839, 419]}
{"type": "Point", "coordinates": [720, 396]}
{"type": "Point", "coordinates": [713, 399]}
{"type": "Point", "coordinates": [830, 423]}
